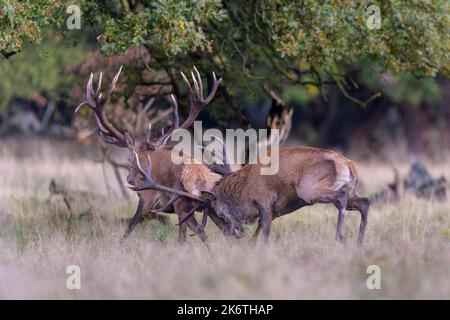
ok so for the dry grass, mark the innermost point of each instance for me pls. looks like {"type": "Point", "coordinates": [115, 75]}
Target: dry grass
{"type": "Point", "coordinates": [410, 242]}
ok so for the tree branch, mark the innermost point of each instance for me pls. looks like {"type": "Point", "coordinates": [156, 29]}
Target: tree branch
{"type": "Point", "coordinates": [7, 54]}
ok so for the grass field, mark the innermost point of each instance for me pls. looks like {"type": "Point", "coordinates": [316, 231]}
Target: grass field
{"type": "Point", "coordinates": [409, 241]}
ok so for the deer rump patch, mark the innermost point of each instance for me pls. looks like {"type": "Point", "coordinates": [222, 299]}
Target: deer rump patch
{"type": "Point", "coordinates": [323, 178]}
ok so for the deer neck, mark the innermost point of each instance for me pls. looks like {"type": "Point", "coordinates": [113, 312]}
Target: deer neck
{"type": "Point", "coordinates": [231, 188]}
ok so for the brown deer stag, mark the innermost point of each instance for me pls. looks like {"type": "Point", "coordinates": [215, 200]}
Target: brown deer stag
{"type": "Point", "coordinates": [165, 171]}
{"type": "Point", "coordinates": [306, 176]}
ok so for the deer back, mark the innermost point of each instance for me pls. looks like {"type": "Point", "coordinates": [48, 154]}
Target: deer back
{"type": "Point", "coordinates": [303, 172]}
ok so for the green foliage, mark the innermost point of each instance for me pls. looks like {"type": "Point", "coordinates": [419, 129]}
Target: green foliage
{"type": "Point", "coordinates": [40, 68]}
{"type": "Point", "coordinates": [412, 37]}
{"type": "Point", "coordinates": [288, 42]}
{"type": "Point", "coordinates": [22, 21]}
{"type": "Point", "coordinates": [406, 87]}
{"type": "Point", "coordinates": [29, 21]}
{"type": "Point", "coordinates": [174, 26]}
{"type": "Point", "coordinates": [275, 43]}
{"type": "Point", "coordinates": [298, 94]}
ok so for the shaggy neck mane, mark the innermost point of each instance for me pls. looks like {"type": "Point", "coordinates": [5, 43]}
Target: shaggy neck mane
{"type": "Point", "coordinates": [231, 187]}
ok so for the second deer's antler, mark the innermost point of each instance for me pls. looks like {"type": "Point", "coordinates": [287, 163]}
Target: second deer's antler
{"type": "Point", "coordinates": [196, 102]}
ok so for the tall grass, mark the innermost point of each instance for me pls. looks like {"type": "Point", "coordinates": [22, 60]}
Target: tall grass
{"type": "Point", "coordinates": [409, 241]}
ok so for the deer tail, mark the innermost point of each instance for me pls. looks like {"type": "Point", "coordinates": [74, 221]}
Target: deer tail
{"type": "Point", "coordinates": [354, 174]}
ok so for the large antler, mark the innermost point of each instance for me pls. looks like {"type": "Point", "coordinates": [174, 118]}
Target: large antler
{"type": "Point", "coordinates": [197, 103]}
{"type": "Point", "coordinates": [150, 184]}
{"type": "Point", "coordinates": [96, 101]}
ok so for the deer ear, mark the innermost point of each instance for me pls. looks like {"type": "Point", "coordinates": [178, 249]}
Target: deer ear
{"type": "Point", "coordinates": [129, 140]}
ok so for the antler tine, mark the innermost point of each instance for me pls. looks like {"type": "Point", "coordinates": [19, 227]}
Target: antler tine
{"type": "Point", "coordinates": [84, 103]}
{"type": "Point", "coordinates": [188, 215]}
{"type": "Point", "coordinates": [198, 93]}
{"type": "Point", "coordinates": [90, 94]}
{"type": "Point", "coordinates": [204, 219]}
{"type": "Point", "coordinates": [149, 167]}
{"type": "Point", "coordinates": [100, 125]}
{"type": "Point", "coordinates": [176, 116]}
{"type": "Point", "coordinates": [172, 199]}
{"type": "Point", "coordinates": [112, 86]}
{"type": "Point", "coordinates": [146, 173]}
{"type": "Point", "coordinates": [105, 133]}
{"type": "Point", "coordinates": [199, 80]}
{"type": "Point", "coordinates": [188, 85]}
{"type": "Point", "coordinates": [216, 84]}
{"type": "Point", "coordinates": [99, 82]}
{"type": "Point", "coordinates": [197, 102]}
{"type": "Point", "coordinates": [96, 101]}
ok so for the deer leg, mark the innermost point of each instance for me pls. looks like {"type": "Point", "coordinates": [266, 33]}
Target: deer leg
{"type": "Point", "coordinates": [341, 203]}
{"type": "Point", "coordinates": [182, 230]}
{"type": "Point", "coordinates": [163, 219]}
{"type": "Point", "coordinates": [185, 210]}
{"type": "Point", "coordinates": [137, 218]}
{"type": "Point", "coordinates": [362, 205]}
{"type": "Point", "coordinates": [67, 203]}
{"type": "Point", "coordinates": [182, 213]}
{"type": "Point", "coordinates": [265, 219]}
{"type": "Point", "coordinates": [204, 219]}
{"type": "Point", "coordinates": [142, 211]}
{"type": "Point", "coordinates": [340, 223]}
{"type": "Point", "coordinates": [257, 232]}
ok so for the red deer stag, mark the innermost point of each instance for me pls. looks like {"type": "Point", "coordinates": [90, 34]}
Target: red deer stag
{"type": "Point", "coordinates": [165, 171]}
{"type": "Point", "coordinates": [306, 176]}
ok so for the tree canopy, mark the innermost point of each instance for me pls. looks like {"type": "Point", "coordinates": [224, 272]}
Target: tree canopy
{"type": "Point", "coordinates": [310, 42]}
{"type": "Point", "coordinates": [299, 48]}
